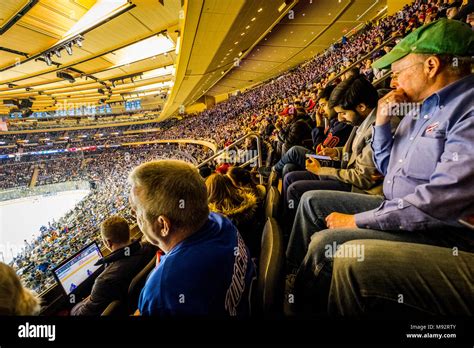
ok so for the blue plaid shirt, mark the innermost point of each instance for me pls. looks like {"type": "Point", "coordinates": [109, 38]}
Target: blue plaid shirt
{"type": "Point", "coordinates": [428, 164]}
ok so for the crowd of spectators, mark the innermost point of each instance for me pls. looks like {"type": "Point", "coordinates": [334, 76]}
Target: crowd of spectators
{"type": "Point", "coordinates": [264, 109]}
{"type": "Point", "coordinates": [108, 171]}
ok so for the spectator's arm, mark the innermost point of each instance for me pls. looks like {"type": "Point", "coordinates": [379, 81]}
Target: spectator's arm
{"type": "Point", "coordinates": [382, 146]}
{"type": "Point", "coordinates": [101, 296]}
{"type": "Point", "coordinates": [445, 198]}
{"type": "Point", "coordinates": [360, 175]}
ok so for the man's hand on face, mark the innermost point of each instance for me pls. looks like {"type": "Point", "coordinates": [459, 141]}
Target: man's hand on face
{"type": "Point", "coordinates": [386, 104]}
{"type": "Point", "coordinates": [339, 220]}
{"type": "Point", "coordinates": [312, 165]}
{"type": "Point", "coordinates": [319, 118]}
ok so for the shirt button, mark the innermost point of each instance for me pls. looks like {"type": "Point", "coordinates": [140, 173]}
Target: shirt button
{"type": "Point", "coordinates": [411, 138]}
{"type": "Point", "coordinates": [425, 117]}
{"type": "Point", "coordinates": [389, 182]}
{"type": "Point", "coordinates": [441, 106]}
{"type": "Point", "coordinates": [400, 160]}
{"type": "Point", "coordinates": [400, 227]}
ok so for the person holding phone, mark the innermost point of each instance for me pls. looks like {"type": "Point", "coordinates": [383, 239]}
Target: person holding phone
{"type": "Point", "coordinates": [329, 132]}
{"type": "Point", "coordinates": [357, 172]}
{"type": "Point", "coordinates": [428, 165]}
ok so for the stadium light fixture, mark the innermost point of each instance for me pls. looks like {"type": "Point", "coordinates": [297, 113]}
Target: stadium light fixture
{"type": "Point", "coordinates": [147, 48]}
{"type": "Point", "coordinates": [154, 85]}
{"type": "Point", "coordinates": [102, 10]}
{"type": "Point", "coordinates": [178, 44]}
{"type": "Point", "coordinates": [47, 59]}
{"type": "Point", "coordinates": [68, 48]}
{"type": "Point", "coordinates": [78, 41]}
{"type": "Point", "coordinates": [167, 70]}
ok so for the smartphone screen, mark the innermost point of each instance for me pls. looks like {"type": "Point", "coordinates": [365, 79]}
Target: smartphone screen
{"type": "Point", "coordinates": [318, 157]}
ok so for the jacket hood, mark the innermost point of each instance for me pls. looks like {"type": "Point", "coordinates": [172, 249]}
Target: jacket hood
{"type": "Point", "coordinates": [239, 213]}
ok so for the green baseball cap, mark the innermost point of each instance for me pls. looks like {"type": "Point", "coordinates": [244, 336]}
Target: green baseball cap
{"type": "Point", "coordinates": [444, 36]}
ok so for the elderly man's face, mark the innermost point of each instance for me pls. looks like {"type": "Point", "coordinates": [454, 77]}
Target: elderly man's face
{"type": "Point", "coordinates": [409, 75]}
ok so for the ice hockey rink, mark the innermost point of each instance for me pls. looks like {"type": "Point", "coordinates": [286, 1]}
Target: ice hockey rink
{"type": "Point", "coordinates": [22, 218]}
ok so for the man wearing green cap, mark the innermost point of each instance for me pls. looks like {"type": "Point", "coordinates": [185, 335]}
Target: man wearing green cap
{"type": "Point", "coordinates": [428, 164]}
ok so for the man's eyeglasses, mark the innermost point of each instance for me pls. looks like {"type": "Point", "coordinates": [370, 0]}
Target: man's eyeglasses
{"type": "Point", "coordinates": [395, 74]}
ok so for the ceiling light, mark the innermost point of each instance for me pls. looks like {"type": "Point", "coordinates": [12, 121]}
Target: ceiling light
{"type": "Point", "coordinates": [167, 70]}
{"type": "Point", "coordinates": [101, 10]}
{"type": "Point", "coordinates": [242, 34]}
{"type": "Point", "coordinates": [282, 6]}
{"type": "Point", "coordinates": [47, 59]}
{"type": "Point", "coordinates": [68, 48]}
{"type": "Point", "coordinates": [253, 19]}
{"type": "Point", "coordinates": [260, 9]}
{"type": "Point", "coordinates": [248, 26]}
{"type": "Point", "coordinates": [178, 44]}
{"type": "Point", "coordinates": [78, 41]}
{"type": "Point", "coordinates": [154, 86]}
{"type": "Point", "coordinates": [235, 43]}
{"type": "Point", "coordinates": [144, 49]}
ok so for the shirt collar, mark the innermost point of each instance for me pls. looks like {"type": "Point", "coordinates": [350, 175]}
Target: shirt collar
{"type": "Point", "coordinates": [446, 94]}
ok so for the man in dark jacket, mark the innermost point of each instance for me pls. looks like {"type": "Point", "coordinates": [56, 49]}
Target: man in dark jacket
{"type": "Point", "coordinates": [328, 133]}
{"type": "Point", "coordinates": [297, 130]}
{"type": "Point", "coordinates": [124, 262]}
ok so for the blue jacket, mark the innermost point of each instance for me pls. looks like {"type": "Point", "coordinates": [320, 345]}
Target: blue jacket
{"type": "Point", "coordinates": [208, 274]}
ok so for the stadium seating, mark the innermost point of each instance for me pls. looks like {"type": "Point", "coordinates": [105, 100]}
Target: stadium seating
{"type": "Point", "coordinates": [256, 110]}
{"type": "Point", "coordinates": [270, 271]}
{"type": "Point", "coordinates": [137, 284]}
{"type": "Point", "coordinates": [115, 308]}
{"type": "Point", "coordinates": [272, 202]}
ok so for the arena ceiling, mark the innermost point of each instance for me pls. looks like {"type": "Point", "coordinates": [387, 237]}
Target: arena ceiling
{"type": "Point", "coordinates": [127, 49]}
{"type": "Point", "coordinates": [265, 38]}
{"type": "Point", "coordinates": [118, 40]}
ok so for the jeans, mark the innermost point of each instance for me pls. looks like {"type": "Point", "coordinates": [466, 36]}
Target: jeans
{"type": "Point", "coordinates": [295, 155]}
{"type": "Point", "coordinates": [312, 245]}
{"type": "Point", "coordinates": [298, 182]}
{"type": "Point", "coordinates": [439, 281]}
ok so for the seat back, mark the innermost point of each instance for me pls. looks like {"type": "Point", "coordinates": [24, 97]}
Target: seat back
{"type": "Point", "coordinates": [271, 203]}
{"type": "Point", "coordinates": [269, 292]}
{"type": "Point", "coordinates": [115, 308]}
{"type": "Point", "coordinates": [136, 285]}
